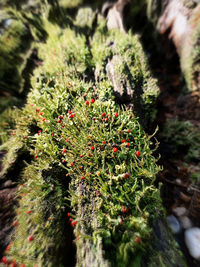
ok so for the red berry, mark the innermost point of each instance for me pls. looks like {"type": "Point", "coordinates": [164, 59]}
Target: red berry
{"type": "Point", "coordinates": [71, 164]}
{"type": "Point", "coordinates": [103, 119]}
{"type": "Point", "coordinates": [129, 130]}
{"type": "Point", "coordinates": [59, 121]}
{"type": "Point", "coordinates": [87, 103]}
{"type": "Point", "coordinates": [8, 247]}
{"type": "Point", "coordinates": [70, 219]}
{"type": "Point", "coordinates": [126, 175]}
{"type": "Point", "coordinates": [67, 140]}
{"type": "Point", "coordinates": [41, 113]}
{"type": "Point", "coordinates": [81, 156]}
{"type": "Point", "coordinates": [106, 119]}
{"type": "Point", "coordinates": [116, 114]}
{"type": "Point", "coordinates": [30, 238]}
{"type": "Point", "coordinates": [124, 140]}
{"type": "Point", "coordinates": [15, 223]}
{"type": "Point", "coordinates": [82, 177]}
{"type": "Point", "coordinates": [73, 223]}
{"type": "Point", "coordinates": [64, 151]}
{"type": "Point", "coordinates": [115, 149]}
{"type": "Point", "coordinates": [14, 264]}
{"type": "Point", "coordinates": [71, 116]}
{"type": "Point", "coordinates": [68, 214]}
{"type": "Point", "coordinates": [137, 153]}
{"type": "Point", "coordinates": [103, 142]}
{"type": "Point", "coordinates": [103, 114]}
{"type": "Point", "coordinates": [36, 156]}
{"type": "Point", "coordinates": [4, 260]}
{"type": "Point", "coordinates": [69, 112]}
{"type": "Point", "coordinates": [29, 211]}
{"type": "Point", "coordinates": [138, 239]}
{"type": "Point", "coordinates": [37, 109]}
{"type": "Point", "coordinates": [92, 148]}
{"type": "Point", "coordinates": [92, 100]}
{"type": "Point", "coordinates": [127, 144]}
{"type": "Point", "coordinates": [60, 117]}
{"type": "Point", "coordinates": [23, 265]}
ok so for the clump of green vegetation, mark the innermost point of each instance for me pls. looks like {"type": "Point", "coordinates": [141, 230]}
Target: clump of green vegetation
{"type": "Point", "coordinates": [87, 154]}
{"type": "Point", "coordinates": [130, 65]}
{"type": "Point", "coordinates": [91, 168]}
{"type": "Point", "coordinates": [184, 136]}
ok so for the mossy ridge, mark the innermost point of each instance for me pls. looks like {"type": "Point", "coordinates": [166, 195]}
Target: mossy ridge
{"type": "Point", "coordinates": [132, 66]}
{"type": "Point", "coordinates": [41, 214]}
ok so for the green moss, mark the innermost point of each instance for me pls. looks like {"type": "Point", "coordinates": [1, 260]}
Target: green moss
{"type": "Point", "coordinates": [79, 144]}
{"type": "Point", "coordinates": [183, 134]}
{"type": "Point", "coordinates": [131, 67]}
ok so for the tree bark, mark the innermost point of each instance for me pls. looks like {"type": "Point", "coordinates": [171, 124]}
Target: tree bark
{"type": "Point", "coordinates": [180, 20]}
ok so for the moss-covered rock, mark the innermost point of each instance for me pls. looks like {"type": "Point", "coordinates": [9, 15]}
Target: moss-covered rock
{"type": "Point", "coordinates": [92, 167]}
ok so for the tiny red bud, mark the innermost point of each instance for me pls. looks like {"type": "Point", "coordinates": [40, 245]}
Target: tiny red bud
{"type": "Point", "coordinates": [4, 260]}
{"type": "Point", "coordinates": [44, 119]}
{"type": "Point", "coordinates": [129, 130]}
{"type": "Point", "coordinates": [106, 119]}
{"type": "Point", "coordinates": [82, 177]}
{"type": "Point", "coordinates": [127, 144]}
{"type": "Point", "coordinates": [30, 238]}
{"type": "Point", "coordinates": [115, 149]}
{"type": "Point", "coordinates": [103, 114]}
{"type": "Point", "coordinates": [64, 151]}
{"type": "Point", "coordinates": [92, 148]}
{"type": "Point", "coordinates": [71, 164]}
{"type": "Point", "coordinates": [137, 153]}
{"type": "Point", "coordinates": [124, 140]}
{"type": "Point", "coordinates": [73, 223]}
{"type": "Point", "coordinates": [67, 140]}
{"type": "Point", "coordinates": [29, 211]}
{"type": "Point", "coordinates": [52, 134]}
{"type": "Point", "coordinates": [60, 117]}
{"type": "Point", "coordinates": [87, 103]}
{"type": "Point", "coordinates": [68, 214]}
{"type": "Point", "coordinates": [116, 114]}
{"type": "Point", "coordinates": [71, 116]}
{"type": "Point", "coordinates": [36, 156]}
{"type": "Point", "coordinates": [41, 113]}
{"type": "Point", "coordinates": [103, 142]}
{"type": "Point", "coordinates": [138, 239]}
{"type": "Point", "coordinates": [15, 223]}
{"type": "Point", "coordinates": [59, 121]}
{"type": "Point", "coordinates": [126, 175]}
{"type": "Point", "coordinates": [92, 100]}
{"type": "Point", "coordinates": [37, 109]}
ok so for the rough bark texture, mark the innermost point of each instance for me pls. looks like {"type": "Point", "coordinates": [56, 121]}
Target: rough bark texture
{"type": "Point", "coordinates": [180, 20]}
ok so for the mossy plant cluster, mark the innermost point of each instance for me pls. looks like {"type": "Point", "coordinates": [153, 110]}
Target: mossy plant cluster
{"type": "Point", "coordinates": [91, 166]}
{"type": "Point", "coordinates": [184, 136]}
